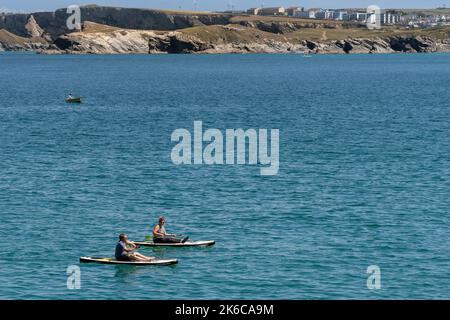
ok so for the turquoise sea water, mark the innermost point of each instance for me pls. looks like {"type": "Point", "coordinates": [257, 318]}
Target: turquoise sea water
{"type": "Point", "coordinates": [364, 175]}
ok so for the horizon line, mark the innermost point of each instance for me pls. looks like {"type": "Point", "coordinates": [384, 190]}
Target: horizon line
{"type": "Point", "coordinates": [12, 11]}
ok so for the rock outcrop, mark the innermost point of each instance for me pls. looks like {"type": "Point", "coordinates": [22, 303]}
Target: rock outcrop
{"type": "Point", "coordinates": [109, 30]}
{"type": "Point", "coordinates": [232, 39]}
{"type": "Point", "coordinates": [283, 27]}
{"type": "Point", "coordinates": [54, 23]}
{"type": "Point", "coordinates": [34, 30]}
{"type": "Point", "coordinates": [12, 42]}
{"type": "Point", "coordinates": [130, 41]}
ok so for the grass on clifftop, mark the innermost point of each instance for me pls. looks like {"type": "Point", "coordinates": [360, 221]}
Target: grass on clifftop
{"type": "Point", "coordinates": [236, 33]}
{"type": "Point", "coordinates": [239, 33]}
{"type": "Point", "coordinates": [10, 38]}
{"type": "Point", "coordinates": [172, 12]}
{"type": "Point", "coordinates": [230, 34]}
{"type": "Point", "coordinates": [342, 34]}
{"type": "Point", "coordinates": [92, 27]}
{"type": "Point", "coordinates": [253, 18]}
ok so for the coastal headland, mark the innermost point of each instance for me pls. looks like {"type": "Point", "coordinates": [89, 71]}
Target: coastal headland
{"type": "Point", "coordinates": [112, 30]}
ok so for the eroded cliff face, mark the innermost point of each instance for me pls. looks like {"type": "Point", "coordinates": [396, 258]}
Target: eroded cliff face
{"type": "Point", "coordinates": [36, 38]}
{"type": "Point", "coordinates": [109, 30]}
{"type": "Point", "coordinates": [11, 42]}
{"type": "Point", "coordinates": [118, 42]}
{"type": "Point", "coordinates": [284, 27]}
{"type": "Point", "coordinates": [391, 44]}
{"type": "Point", "coordinates": [54, 23]}
{"type": "Point", "coordinates": [33, 28]}
{"type": "Point", "coordinates": [231, 39]}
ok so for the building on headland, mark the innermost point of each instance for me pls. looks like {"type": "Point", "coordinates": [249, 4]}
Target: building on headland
{"type": "Point", "coordinates": [390, 18]}
{"type": "Point", "coordinates": [292, 11]}
{"type": "Point", "coordinates": [341, 15]}
{"type": "Point", "coordinates": [325, 14]}
{"type": "Point", "coordinates": [254, 11]}
{"type": "Point", "coordinates": [399, 18]}
{"type": "Point", "coordinates": [273, 11]}
{"type": "Point", "coordinates": [358, 16]}
{"type": "Point", "coordinates": [307, 14]}
{"type": "Point", "coordinates": [303, 14]}
{"type": "Point", "coordinates": [425, 21]}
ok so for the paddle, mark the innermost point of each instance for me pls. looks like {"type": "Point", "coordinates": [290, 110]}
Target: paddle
{"type": "Point", "coordinates": [149, 238]}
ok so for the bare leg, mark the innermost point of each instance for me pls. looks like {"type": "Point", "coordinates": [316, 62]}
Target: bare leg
{"type": "Point", "coordinates": [141, 257]}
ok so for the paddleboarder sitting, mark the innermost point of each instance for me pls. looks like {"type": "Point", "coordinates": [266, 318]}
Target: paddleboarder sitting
{"type": "Point", "coordinates": [125, 248]}
{"type": "Point", "coordinates": [161, 236]}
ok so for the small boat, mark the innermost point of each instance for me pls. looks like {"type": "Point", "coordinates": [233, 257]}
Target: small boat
{"type": "Point", "coordinates": [206, 243]}
{"type": "Point", "coordinates": [74, 100]}
{"type": "Point", "coordinates": [157, 262]}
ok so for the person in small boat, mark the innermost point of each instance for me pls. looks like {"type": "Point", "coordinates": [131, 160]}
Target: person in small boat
{"type": "Point", "coordinates": [161, 236]}
{"type": "Point", "coordinates": [70, 97]}
{"type": "Point", "coordinates": [125, 250]}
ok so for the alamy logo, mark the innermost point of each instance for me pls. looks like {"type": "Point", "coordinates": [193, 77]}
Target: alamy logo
{"type": "Point", "coordinates": [73, 22]}
{"type": "Point", "coordinates": [373, 17]}
{"type": "Point", "coordinates": [73, 277]}
{"type": "Point", "coordinates": [374, 279]}
{"type": "Point", "coordinates": [237, 141]}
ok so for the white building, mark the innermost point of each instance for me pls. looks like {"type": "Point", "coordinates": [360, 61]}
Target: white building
{"type": "Point", "coordinates": [273, 11]}
{"type": "Point", "coordinates": [325, 14]}
{"type": "Point", "coordinates": [292, 11]}
{"type": "Point", "coordinates": [340, 15]}
{"type": "Point", "coordinates": [308, 14]}
{"type": "Point", "coordinates": [390, 18]}
{"type": "Point", "coordinates": [254, 11]}
{"type": "Point", "coordinates": [358, 16]}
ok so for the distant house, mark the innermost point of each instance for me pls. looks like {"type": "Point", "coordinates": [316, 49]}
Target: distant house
{"type": "Point", "coordinates": [358, 16]}
{"type": "Point", "coordinates": [302, 14]}
{"type": "Point", "coordinates": [390, 18]}
{"type": "Point", "coordinates": [273, 11]}
{"type": "Point", "coordinates": [340, 15]}
{"type": "Point", "coordinates": [308, 14]}
{"type": "Point", "coordinates": [292, 11]}
{"type": "Point", "coordinates": [325, 14]}
{"type": "Point", "coordinates": [254, 11]}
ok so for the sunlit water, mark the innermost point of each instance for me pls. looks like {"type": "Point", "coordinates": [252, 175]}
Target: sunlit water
{"type": "Point", "coordinates": [364, 175]}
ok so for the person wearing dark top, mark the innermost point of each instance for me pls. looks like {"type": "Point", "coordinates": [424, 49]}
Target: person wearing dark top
{"type": "Point", "coordinates": [125, 250]}
{"type": "Point", "coordinates": [161, 236]}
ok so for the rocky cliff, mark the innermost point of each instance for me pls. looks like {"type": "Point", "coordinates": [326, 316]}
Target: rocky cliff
{"type": "Point", "coordinates": [97, 39]}
{"type": "Point", "coordinates": [54, 23]}
{"type": "Point", "coordinates": [283, 25]}
{"type": "Point", "coordinates": [108, 30]}
{"type": "Point", "coordinates": [12, 42]}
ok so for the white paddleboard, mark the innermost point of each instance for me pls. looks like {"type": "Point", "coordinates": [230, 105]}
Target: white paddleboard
{"type": "Point", "coordinates": [139, 263]}
{"type": "Point", "coordinates": [186, 244]}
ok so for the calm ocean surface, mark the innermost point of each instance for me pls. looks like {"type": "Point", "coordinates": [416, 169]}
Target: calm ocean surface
{"type": "Point", "coordinates": [364, 175]}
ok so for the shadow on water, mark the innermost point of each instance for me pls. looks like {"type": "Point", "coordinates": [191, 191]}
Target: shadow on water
{"type": "Point", "coordinates": [124, 271]}
{"type": "Point", "coordinates": [172, 252]}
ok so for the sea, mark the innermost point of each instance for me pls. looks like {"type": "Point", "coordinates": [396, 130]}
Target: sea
{"type": "Point", "coordinates": [359, 208]}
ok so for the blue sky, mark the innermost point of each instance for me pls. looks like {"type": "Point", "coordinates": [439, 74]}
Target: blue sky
{"type": "Point", "coordinates": [208, 5]}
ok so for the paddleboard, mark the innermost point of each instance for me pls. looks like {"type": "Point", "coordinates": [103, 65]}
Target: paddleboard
{"type": "Point", "coordinates": [186, 244]}
{"type": "Point", "coordinates": [139, 263]}
{"type": "Point", "coordinates": [74, 100]}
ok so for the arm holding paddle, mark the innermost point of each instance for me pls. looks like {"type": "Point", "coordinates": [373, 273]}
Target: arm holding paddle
{"type": "Point", "coordinates": [161, 236]}
{"type": "Point", "coordinates": [158, 232]}
{"type": "Point", "coordinates": [131, 246]}
{"type": "Point", "coordinates": [126, 250]}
